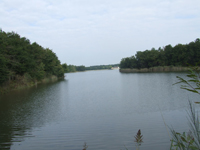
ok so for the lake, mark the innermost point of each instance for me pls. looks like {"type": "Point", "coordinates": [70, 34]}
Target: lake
{"type": "Point", "coordinates": [103, 108]}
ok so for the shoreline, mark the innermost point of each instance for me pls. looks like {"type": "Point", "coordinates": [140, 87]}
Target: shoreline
{"type": "Point", "coordinates": [90, 70]}
{"type": "Point", "coordinates": [22, 83]}
{"type": "Point", "coordinates": [155, 69]}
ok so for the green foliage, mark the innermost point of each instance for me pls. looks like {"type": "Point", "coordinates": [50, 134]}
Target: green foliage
{"type": "Point", "coordinates": [182, 141]}
{"type": "Point", "coordinates": [19, 57]}
{"type": "Point", "coordinates": [191, 141]}
{"type": "Point", "coordinates": [100, 67]}
{"type": "Point", "coordinates": [192, 83]}
{"type": "Point", "coordinates": [39, 71]}
{"type": "Point", "coordinates": [80, 68]}
{"type": "Point", "coordinates": [179, 55]}
{"type": "Point", "coordinates": [58, 71]}
{"type": "Point", "coordinates": [65, 68]}
{"type": "Point", "coordinates": [71, 68]}
{"type": "Point", "coordinates": [3, 69]}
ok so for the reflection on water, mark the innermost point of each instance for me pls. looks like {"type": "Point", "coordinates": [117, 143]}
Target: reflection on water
{"type": "Point", "coordinates": [20, 111]}
{"type": "Point", "coordinates": [103, 108]}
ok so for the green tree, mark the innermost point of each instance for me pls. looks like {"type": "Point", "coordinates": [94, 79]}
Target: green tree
{"type": "Point", "coordinates": [71, 68]}
{"type": "Point", "coordinates": [3, 69]}
{"type": "Point", "coordinates": [179, 55]}
{"type": "Point", "coordinates": [80, 68]}
{"type": "Point", "coordinates": [18, 57]}
{"type": "Point", "coordinates": [65, 68]}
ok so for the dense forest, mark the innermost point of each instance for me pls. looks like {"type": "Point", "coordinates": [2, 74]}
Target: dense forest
{"type": "Point", "coordinates": [73, 68]}
{"type": "Point", "coordinates": [19, 58]}
{"type": "Point", "coordinates": [179, 55]}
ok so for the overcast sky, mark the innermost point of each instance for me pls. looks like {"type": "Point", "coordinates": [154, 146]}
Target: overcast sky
{"type": "Point", "coordinates": [100, 32]}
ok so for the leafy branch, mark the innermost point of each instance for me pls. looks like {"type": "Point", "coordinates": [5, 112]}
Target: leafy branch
{"type": "Point", "coordinates": [191, 141]}
{"type": "Point", "coordinates": [193, 82]}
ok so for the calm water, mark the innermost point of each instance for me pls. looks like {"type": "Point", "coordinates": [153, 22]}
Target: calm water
{"type": "Point", "coordinates": [103, 108]}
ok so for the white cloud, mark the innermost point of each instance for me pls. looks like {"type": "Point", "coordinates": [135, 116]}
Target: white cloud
{"type": "Point", "coordinates": [102, 31]}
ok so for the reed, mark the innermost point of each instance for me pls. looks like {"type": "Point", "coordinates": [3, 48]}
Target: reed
{"type": "Point", "coordinates": [85, 146]}
{"type": "Point", "coordinates": [25, 81]}
{"type": "Point", "coordinates": [191, 140]}
{"type": "Point", "coordinates": [155, 69]}
{"type": "Point", "coordinates": [138, 139]}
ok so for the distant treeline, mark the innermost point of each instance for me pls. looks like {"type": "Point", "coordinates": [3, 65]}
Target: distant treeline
{"type": "Point", "coordinates": [73, 68]}
{"type": "Point", "coordinates": [102, 67]}
{"type": "Point", "coordinates": [179, 55]}
{"type": "Point", "coordinates": [20, 58]}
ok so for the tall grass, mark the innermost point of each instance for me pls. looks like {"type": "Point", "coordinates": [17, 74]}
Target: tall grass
{"type": "Point", "coordinates": [25, 81]}
{"type": "Point", "coordinates": [191, 139]}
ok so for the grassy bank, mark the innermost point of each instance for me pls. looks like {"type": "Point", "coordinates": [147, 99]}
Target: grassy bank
{"type": "Point", "coordinates": [21, 82]}
{"type": "Point", "coordinates": [155, 69]}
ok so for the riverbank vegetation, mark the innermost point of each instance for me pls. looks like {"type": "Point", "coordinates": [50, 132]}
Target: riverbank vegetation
{"type": "Point", "coordinates": [155, 69]}
{"type": "Point", "coordinates": [26, 63]}
{"type": "Point", "coordinates": [189, 140]}
{"type": "Point", "coordinates": [73, 68]}
{"type": "Point", "coordinates": [179, 55]}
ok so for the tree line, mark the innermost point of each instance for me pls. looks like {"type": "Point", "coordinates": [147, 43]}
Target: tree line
{"type": "Point", "coordinates": [179, 55]}
{"type": "Point", "coordinates": [18, 57]}
{"type": "Point", "coordinates": [73, 68]}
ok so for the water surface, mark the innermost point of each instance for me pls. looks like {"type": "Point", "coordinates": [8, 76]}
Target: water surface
{"type": "Point", "coordinates": [103, 108]}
